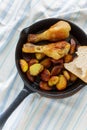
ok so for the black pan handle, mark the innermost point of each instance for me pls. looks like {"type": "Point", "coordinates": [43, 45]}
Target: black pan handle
{"type": "Point", "coordinates": [22, 95]}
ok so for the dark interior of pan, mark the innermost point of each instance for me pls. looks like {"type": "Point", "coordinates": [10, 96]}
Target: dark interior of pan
{"type": "Point", "coordinates": [76, 32]}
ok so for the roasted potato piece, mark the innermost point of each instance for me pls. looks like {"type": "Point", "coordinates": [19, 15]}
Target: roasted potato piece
{"type": "Point", "coordinates": [23, 65]}
{"type": "Point", "coordinates": [60, 61]}
{"type": "Point", "coordinates": [66, 74]}
{"type": "Point", "coordinates": [44, 85]}
{"type": "Point", "coordinates": [26, 57]}
{"type": "Point", "coordinates": [62, 84]}
{"type": "Point", "coordinates": [30, 77]}
{"type": "Point", "coordinates": [46, 62]}
{"type": "Point", "coordinates": [72, 46]}
{"type": "Point", "coordinates": [35, 69]}
{"type": "Point", "coordinates": [73, 77]}
{"type": "Point", "coordinates": [32, 61]}
{"type": "Point", "coordinates": [56, 70]}
{"type": "Point", "coordinates": [45, 75]}
{"type": "Point", "coordinates": [68, 58]}
{"type": "Point", "coordinates": [39, 56]}
{"type": "Point", "coordinates": [53, 81]}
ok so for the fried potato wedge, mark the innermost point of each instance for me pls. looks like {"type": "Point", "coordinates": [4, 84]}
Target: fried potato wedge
{"type": "Point", "coordinates": [32, 61]}
{"type": "Point", "coordinates": [68, 58]}
{"type": "Point", "coordinates": [46, 62]}
{"type": "Point", "coordinates": [73, 77]}
{"type": "Point", "coordinates": [45, 75]}
{"type": "Point", "coordinates": [23, 65]}
{"type": "Point", "coordinates": [66, 74]}
{"type": "Point", "coordinates": [60, 61]}
{"type": "Point", "coordinates": [30, 77]}
{"type": "Point", "coordinates": [35, 69]}
{"type": "Point", "coordinates": [56, 70]}
{"type": "Point", "coordinates": [53, 81]}
{"type": "Point", "coordinates": [44, 85]}
{"type": "Point", "coordinates": [72, 46]}
{"type": "Point", "coordinates": [62, 84]}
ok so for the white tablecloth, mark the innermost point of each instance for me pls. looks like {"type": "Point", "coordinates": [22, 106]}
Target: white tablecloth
{"type": "Point", "coordinates": [37, 112]}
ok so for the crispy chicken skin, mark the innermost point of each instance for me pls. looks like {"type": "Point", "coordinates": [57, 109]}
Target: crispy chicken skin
{"type": "Point", "coordinates": [54, 50]}
{"type": "Point", "coordinates": [56, 32]}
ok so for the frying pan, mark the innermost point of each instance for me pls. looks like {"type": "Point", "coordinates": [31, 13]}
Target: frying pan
{"type": "Point", "coordinates": [29, 87]}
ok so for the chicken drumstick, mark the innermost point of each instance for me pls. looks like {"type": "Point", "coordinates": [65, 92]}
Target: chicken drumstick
{"type": "Point", "coordinates": [54, 50]}
{"type": "Point", "coordinates": [56, 32]}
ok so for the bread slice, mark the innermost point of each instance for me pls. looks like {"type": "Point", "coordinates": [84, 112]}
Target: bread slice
{"type": "Point", "coordinates": [79, 65]}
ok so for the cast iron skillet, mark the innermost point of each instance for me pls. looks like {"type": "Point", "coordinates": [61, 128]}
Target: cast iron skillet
{"type": "Point", "coordinates": [29, 87]}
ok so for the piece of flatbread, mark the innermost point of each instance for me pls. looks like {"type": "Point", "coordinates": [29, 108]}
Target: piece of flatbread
{"type": "Point", "coordinates": [79, 65]}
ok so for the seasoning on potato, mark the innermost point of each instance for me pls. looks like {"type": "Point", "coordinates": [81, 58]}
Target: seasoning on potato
{"type": "Point", "coordinates": [35, 69]}
{"type": "Point", "coordinates": [24, 65]}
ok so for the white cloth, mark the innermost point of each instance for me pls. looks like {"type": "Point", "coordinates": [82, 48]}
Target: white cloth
{"type": "Point", "coordinates": [37, 112]}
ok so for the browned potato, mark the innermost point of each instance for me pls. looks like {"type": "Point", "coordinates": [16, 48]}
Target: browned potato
{"type": "Point", "coordinates": [53, 81]}
{"type": "Point", "coordinates": [66, 74]}
{"type": "Point", "coordinates": [45, 75]}
{"type": "Point", "coordinates": [62, 84]}
{"type": "Point", "coordinates": [44, 85]}
{"type": "Point", "coordinates": [39, 56]}
{"type": "Point", "coordinates": [72, 77]}
{"type": "Point", "coordinates": [56, 70]}
{"type": "Point", "coordinates": [72, 46]}
{"type": "Point", "coordinates": [60, 61]}
{"type": "Point", "coordinates": [46, 62]}
{"type": "Point", "coordinates": [68, 58]}
{"type": "Point", "coordinates": [26, 57]}
{"type": "Point", "coordinates": [30, 77]}
{"type": "Point", "coordinates": [24, 65]}
{"type": "Point", "coordinates": [32, 61]}
{"type": "Point", "coordinates": [35, 69]}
